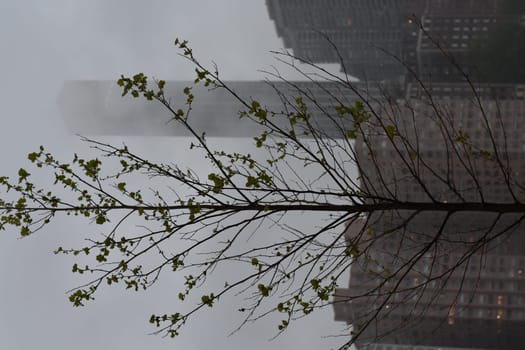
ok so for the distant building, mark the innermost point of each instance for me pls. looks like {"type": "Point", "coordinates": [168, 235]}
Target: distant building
{"type": "Point", "coordinates": [97, 107]}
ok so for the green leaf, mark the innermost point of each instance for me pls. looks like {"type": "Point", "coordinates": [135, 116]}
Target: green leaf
{"type": "Point", "coordinates": [283, 325]}
{"type": "Point", "coordinates": [352, 250]}
{"type": "Point", "coordinates": [265, 291]}
{"type": "Point", "coordinates": [24, 231]}
{"type": "Point", "coordinates": [218, 182]}
{"type": "Point", "coordinates": [350, 134]}
{"type": "Point", "coordinates": [461, 137]}
{"type": "Point", "coordinates": [280, 307]}
{"type": "Point", "coordinates": [22, 175]}
{"type": "Point", "coordinates": [33, 156]}
{"type": "Point", "coordinates": [485, 153]}
{"type": "Point", "coordinates": [390, 131]}
{"type": "Point", "coordinates": [252, 182]}
{"type": "Point", "coordinates": [315, 283]}
{"type": "Point", "coordinates": [208, 299]}
{"type": "Point", "coordinates": [101, 219]}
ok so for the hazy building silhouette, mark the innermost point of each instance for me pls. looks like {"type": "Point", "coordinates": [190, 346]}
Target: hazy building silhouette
{"type": "Point", "coordinates": [97, 107]}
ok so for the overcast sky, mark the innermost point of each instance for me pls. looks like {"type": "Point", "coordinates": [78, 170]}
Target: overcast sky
{"type": "Point", "coordinates": [43, 43]}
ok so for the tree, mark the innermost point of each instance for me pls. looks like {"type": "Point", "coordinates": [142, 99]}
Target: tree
{"type": "Point", "coordinates": [402, 182]}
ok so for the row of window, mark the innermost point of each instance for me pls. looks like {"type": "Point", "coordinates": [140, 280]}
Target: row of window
{"type": "Point", "coordinates": [430, 20]}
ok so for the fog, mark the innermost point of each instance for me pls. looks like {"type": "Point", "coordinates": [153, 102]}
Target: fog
{"type": "Point", "coordinates": [46, 43]}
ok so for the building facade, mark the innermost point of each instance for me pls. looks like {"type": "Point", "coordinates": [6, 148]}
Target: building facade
{"type": "Point", "coordinates": [438, 40]}
{"type": "Point", "coordinates": [449, 40]}
{"type": "Point", "coordinates": [407, 347]}
{"type": "Point", "coordinates": [434, 278]}
{"type": "Point", "coordinates": [363, 35]}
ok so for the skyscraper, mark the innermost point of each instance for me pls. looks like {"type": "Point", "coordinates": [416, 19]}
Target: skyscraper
{"type": "Point", "coordinates": [364, 35]}
{"type": "Point", "coordinates": [453, 38]}
{"type": "Point", "coordinates": [430, 278]}
{"type": "Point", "coordinates": [436, 40]}
{"type": "Point", "coordinates": [97, 108]}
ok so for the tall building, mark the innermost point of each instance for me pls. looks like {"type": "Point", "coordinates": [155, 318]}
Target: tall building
{"type": "Point", "coordinates": [97, 107]}
{"type": "Point", "coordinates": [408, 347]}
{"type": "Point", "coordinates": [436, 40]}
{"type": "Point", "coordinates": [429, 279]}
{"type": "Point", "coordinates": [437, 123]}
{"type": "Point", "coordinates": [447, 293]}
{"type": "Point", "coordinates": [450, 38]}
{"type": "Point", "coordinates": [364, 35]}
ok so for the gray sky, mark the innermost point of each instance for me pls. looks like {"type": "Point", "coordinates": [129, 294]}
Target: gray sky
{"type": "Point", "coordinates": [44, 43]}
